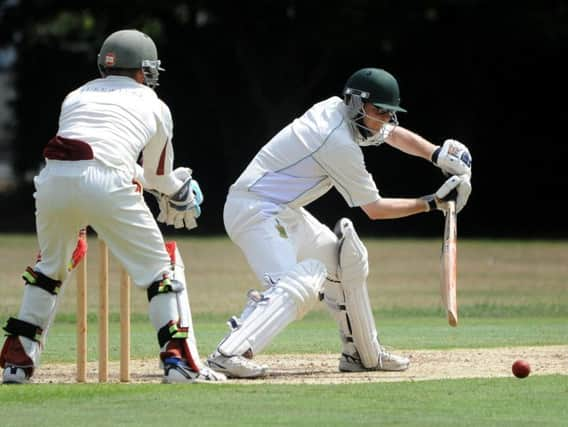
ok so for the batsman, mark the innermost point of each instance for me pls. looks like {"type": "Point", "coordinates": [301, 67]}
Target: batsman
{"type": "Point", "coordinates": [300, 261]}
{"type": "Point", "coordinates": [92, 177]}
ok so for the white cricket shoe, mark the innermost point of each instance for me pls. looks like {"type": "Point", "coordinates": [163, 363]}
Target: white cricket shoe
{"type": "Point", "coordinates": [14, 375]}
{"type": "Point", "coordinates": [177, 371]}
{"type": "Point", "coordinates": [387, 362]}
{"type": "Point", "coordinates": [236, 366]}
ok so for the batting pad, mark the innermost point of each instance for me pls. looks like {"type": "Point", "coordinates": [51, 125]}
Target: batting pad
{"type": "Point", "coordinates": [289, 299]}
{"type": "Point", "coordinates": [334, 299]}
{"type": "Point", "coordinates": [354, 268]}
{"type": "Point", "coordinates": [362, 323]}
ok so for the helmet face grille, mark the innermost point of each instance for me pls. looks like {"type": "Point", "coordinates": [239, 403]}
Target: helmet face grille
{"type": "Point", "coordinates": [151, 71]}
{"type": "Point", "coordinates": [364, 136]}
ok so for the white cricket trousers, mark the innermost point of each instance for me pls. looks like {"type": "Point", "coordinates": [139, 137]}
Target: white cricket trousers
{"type": "Point", "coordinates": [274, 238]}
{"type": "Point", "coordinates": [73, 194]}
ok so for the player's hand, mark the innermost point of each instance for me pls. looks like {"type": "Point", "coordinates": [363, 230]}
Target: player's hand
{"type": "Point", "coordinates": [463, 191]}
{"type": "Point", "coordinates": [453, 158]}
{"type": "Point", "coordinates": [162, 200]}
{"type": "Point", "coordinates": [184, 205]}
{"type": "Point", "coordinates": [457, 188]}
{"type": "Point", "coordinates": [182, 208]}
{"type": "Point", "coordinates": [139, 185]}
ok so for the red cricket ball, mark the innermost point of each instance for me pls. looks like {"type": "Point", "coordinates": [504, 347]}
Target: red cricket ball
{"type": "Point", "coordinates": [521, 368]}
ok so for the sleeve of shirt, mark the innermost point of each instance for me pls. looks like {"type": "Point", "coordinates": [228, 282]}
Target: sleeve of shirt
{"type": "Point", "coordinates": [345, 165]}
{"type": "Point", "coordinates": [158, 155]}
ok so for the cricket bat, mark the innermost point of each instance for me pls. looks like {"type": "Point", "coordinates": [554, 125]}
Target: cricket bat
{"type": "Point", "coordinates": [448, 283]}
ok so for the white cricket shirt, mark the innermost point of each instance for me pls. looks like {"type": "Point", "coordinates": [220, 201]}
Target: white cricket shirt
{"type": "Point", "coordinates": [119, 119]}
{"type": "Point", "coordinates": [307, 158]}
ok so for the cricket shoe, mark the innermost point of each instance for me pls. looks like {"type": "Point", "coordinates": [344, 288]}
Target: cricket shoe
{"type": "Point", "coordinates": [387, 362]}
{"type": "Point", "coordinates": [177, 371]}
{"type": "Point", "coordinates": [236, 366]}
{"type": "Point", "coordinates": [15, 375]}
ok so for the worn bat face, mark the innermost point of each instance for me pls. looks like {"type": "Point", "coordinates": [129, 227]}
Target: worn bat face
{"type": "Point", "coordinates": [448, 284]}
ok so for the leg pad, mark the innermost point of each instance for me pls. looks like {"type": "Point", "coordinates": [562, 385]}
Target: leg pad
{"type": "Point", "coordinates": [36, 278]}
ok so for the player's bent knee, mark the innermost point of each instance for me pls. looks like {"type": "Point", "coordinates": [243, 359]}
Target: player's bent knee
{"type": "Point", "coordinates": [268, 313]}
{"type": "Point", "coordinates": [303, 283]}
{"type": "Point", "coordinates": [353, 256]}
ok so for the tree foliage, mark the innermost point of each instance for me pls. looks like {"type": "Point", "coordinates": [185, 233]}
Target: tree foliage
{"type": "Point", "coordinates": [476, 70]}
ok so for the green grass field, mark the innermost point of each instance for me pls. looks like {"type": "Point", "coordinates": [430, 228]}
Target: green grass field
{"type": "Point", "coordinates": [510, 293]}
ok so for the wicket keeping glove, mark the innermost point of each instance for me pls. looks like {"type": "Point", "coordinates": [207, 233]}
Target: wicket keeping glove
{"type": "Point", "coordinates": [453, 158]}
{"type": "Point", "coordinates": [183, 207]}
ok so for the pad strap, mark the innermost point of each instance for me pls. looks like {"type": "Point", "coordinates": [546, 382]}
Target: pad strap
{"type": "Point", "coordinates": [24, 329]}
{"type": "Point", "coordinates": [159, 287]}
{"type": "Point", "coordinates": [171, 331]}
{"type": "Point", "coordinates": [36, 278]}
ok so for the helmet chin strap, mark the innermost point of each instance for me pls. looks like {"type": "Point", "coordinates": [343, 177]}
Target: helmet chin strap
{"type": "Point", "coordinates": [363, 130]}
{"type": "Point", "coordinates": [364, 136]}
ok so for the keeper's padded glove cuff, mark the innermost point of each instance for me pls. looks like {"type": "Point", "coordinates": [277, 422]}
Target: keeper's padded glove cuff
{"type": "Point", "coordinates": [183, 199]}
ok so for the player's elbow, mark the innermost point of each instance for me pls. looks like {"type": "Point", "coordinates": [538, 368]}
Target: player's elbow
{"type": "Point", "coordinates": [374, 210]}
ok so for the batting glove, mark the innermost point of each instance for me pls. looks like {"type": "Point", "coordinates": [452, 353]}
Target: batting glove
{"type": "Point", "coordinates": [453, 158]}
{"type": "Point", "coordinates": [463, 191]}
{"type": "Point", "coordinates": [457, 188]}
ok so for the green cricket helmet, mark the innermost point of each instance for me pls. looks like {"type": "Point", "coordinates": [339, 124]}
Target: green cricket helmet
{"type": "Point", "coordinates": [130, 50]}
{"type": "Point", "coordinates": [375, 86]}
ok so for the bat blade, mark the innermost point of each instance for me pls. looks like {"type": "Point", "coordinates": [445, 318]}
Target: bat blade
{"type": "Point", "coordinates": [448, 283]}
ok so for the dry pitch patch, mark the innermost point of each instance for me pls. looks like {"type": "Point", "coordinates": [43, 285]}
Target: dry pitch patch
{"type": "Point", "coordinates": [322, 368]}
